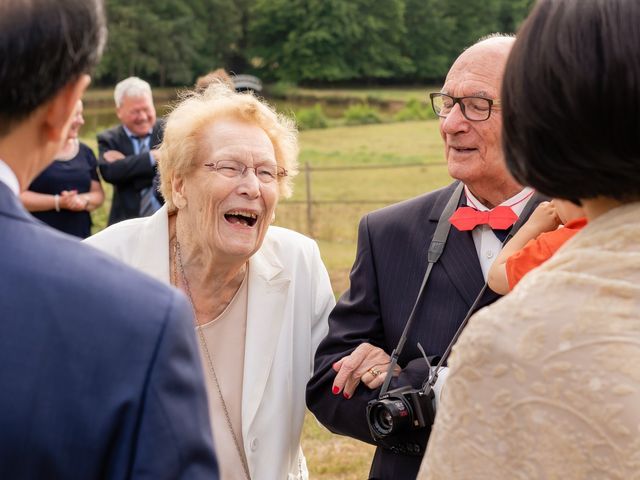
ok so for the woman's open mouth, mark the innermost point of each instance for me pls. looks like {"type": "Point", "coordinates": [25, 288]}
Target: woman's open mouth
{"type": "Point", "coordinates": [243, 217]}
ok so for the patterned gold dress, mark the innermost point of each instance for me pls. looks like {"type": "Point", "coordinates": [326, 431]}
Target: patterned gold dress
{"type": "Point", "coordinates": [545, 383]}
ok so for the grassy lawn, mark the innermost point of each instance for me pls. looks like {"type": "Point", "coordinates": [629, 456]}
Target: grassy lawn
{"type": "Point", "coordinates": [335, 223]}
{"type": "Point", "coordinates": [333, 457]}
{"type": "Point", "coordinates": [335, 228]}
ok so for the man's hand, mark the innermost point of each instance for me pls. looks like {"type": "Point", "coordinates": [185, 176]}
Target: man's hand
{"type": "Point", "coordinates": [112, 155]}
{"type": "Point", "coordinates": [367, 364]}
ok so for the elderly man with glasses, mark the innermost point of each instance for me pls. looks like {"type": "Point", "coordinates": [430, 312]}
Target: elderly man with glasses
{"type": "Point", "coordinates": [391, 264]}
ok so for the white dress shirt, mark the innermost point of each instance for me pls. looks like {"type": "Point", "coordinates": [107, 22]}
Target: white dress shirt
{"type": "Point", "coordinates": [487, 244]}
{"type": "Point", "coordinates": [9, 178]}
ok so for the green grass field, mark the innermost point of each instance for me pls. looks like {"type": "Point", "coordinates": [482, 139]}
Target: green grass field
{"type": "Point", "coordinates": [335, 228]}
{"type": "Point", "coordinates": [335, 224]}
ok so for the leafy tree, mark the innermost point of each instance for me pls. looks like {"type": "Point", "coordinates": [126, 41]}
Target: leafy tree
{"type": "Point", "coordinates": [237, 60]}
{"type": "Point", "coordinates": [470, 20]}
{"type": "Point", "coordinates": [174, 41]}
{"type": "Point", "coordinates": [512, 14]}
{"type": "Point", "coordinates": [221, 25]}
{"type": "Point", "coordinates": [329, 40]}
{"type": "Point", "coordinates": [166, 41]}
{"type": "Point", "coordinates": [428, 39]}
{"type": "Point", "coordinates": [438, 30]}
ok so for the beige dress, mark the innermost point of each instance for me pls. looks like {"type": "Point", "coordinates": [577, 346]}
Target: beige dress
{"type": "Point", "coordinates": [545, 383]}
{"type": "Point", "coordinates": [223, 346]}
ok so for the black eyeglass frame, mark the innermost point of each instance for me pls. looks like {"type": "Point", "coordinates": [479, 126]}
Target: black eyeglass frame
{"type": "Point", "coordinates": [280, 171]}
{"type": "Point", "coordinates": [459, 101]}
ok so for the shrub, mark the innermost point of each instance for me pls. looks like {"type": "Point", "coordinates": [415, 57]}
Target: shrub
{"type": "Point", "coordinates": [280, 89]}
{"type": "Point", "coordinates": [415, 110]}
{"type": "Point", "coordinates": [314, 117]}
{"type": "Point", "coordinates": [361, 114]}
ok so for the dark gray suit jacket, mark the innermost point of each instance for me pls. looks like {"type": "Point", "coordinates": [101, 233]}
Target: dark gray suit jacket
{"type": "Point", "coordinates": [100, 375]}
{"type": "Point", "coordinates": [385, 279]}
{"type": "Point", "coordinates": [131, 174]}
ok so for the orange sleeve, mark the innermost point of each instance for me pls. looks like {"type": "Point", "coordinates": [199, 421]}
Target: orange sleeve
{"type": "Point", "coordinates": [535, 253]}
{"type": "Point", "coordinates": [526, 259]}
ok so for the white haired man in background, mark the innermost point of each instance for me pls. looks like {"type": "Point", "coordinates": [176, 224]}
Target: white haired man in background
{"type": "Point", "coordinates": [126, 152]}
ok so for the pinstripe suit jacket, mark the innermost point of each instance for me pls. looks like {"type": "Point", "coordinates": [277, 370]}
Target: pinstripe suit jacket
{"type": "Point", "coordinates": [390, 264]}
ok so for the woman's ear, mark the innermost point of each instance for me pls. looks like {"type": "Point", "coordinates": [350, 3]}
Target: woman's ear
{"type": "Point", "coordinates": [177, 191]}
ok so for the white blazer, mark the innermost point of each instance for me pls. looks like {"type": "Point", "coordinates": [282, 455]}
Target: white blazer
{"type": "Point", "coordinates": [289, 300]}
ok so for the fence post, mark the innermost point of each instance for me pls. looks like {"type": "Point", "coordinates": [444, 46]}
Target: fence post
{"type": "Point", "coordinates": [307, 178]}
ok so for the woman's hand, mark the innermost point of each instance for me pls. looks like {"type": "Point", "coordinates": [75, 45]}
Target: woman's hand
{"type": "Point", "coordinates": [366, 364]}
{"type": "Point", "coordinates": [70, 200]}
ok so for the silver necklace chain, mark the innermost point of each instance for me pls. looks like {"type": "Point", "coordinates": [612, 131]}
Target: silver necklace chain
{"type": "Point", "coordinates": [203, 342]}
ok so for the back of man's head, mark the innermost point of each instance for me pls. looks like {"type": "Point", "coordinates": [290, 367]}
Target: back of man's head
{"type": "Point", "coordinates": [44, 45]}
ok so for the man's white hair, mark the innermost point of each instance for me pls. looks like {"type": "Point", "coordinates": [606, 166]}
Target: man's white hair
{"type": "Point", "coordinates": [496, 35]}
{"type": "Point", "coordinates": [131, 87]}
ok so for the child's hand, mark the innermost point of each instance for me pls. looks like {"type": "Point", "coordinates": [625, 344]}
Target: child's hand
{"type": "Point", "coordinates": [543, 219]}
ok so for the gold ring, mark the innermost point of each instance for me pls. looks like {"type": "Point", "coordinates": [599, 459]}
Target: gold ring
{"type": "Point", "coordinates": [374, 372]}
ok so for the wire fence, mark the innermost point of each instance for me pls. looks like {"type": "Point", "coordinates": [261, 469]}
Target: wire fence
{"type": "Point", "coordinates": [312, 201]}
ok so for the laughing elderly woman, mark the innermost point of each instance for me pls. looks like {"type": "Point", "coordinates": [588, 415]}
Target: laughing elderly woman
{"type": "Point", "coordinates": [260, 294]}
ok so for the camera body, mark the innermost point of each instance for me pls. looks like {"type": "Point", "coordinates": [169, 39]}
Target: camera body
{"type": "Point", "coordinates": [401, 419]}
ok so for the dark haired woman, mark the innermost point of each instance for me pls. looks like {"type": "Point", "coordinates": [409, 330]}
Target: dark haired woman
{"type": "Point", "coordinates": [67, 190]}
{"type": "Point", "coordinates": [546, 382]}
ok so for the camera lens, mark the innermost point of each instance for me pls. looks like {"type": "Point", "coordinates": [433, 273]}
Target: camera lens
{"type": "Point", "coordinates": [388, 416]}
{"type": "Point", "coordinates": [384, 419]}
{"type": "Point", "coordinates": [401, 420]}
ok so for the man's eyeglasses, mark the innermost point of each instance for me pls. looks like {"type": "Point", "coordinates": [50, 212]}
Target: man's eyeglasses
{"type": "Point", "coordinates": [231, 168]}
{"type": "Point", "coordinates": [475, 109]}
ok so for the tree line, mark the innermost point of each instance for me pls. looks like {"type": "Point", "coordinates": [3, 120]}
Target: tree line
{"type": "Point", "coordinates": [172, 42]}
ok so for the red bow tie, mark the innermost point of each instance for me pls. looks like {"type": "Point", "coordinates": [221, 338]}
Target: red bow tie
{"type": "Point", "coordinates": [467, 218]}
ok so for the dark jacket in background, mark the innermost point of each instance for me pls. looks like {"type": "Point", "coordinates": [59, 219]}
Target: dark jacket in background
{"type": "Point", "coordinates": [130, 175]}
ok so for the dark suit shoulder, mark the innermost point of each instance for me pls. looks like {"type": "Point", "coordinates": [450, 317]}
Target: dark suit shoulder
{"type": "Point", "coordinates": [110, 133]}
{"type": "Point", "coordinates": [96, 355]}
{"type": "Point", "coordinates": [83, 283]}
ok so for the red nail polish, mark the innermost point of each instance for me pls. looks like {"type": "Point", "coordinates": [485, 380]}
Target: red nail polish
{"type": "Point", "coordinates": [346, 395]}
{"type": "Point", "coordinates": [335, 390]}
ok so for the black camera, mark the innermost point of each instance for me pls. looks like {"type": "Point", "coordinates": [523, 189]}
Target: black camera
{"type": "Point", "coordinates": [401, 419]}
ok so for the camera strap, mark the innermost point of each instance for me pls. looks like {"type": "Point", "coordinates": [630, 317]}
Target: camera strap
{"type": "Point", "coordinates": [431, 381]}
{"type": "Point", "coordinates": [436, 247]}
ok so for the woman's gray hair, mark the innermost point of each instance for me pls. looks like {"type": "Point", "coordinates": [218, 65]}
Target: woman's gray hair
{"type": "Point", "coordinates": [131, 87]}
{"type": "Point", "coordinates": [183, 134]}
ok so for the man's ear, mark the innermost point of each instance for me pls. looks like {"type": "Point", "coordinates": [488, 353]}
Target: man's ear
{"type": "Point", "coordinates": [119, 113]}
{"type": "Point", "coordinates": [60, 109]}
